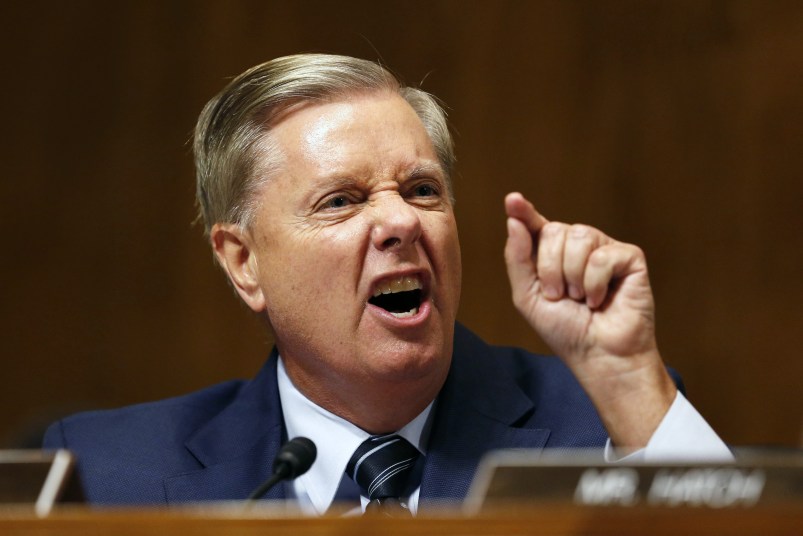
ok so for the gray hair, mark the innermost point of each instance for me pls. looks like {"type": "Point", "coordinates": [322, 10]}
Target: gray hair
{"type": "Point", "coordinates": [232, 152]}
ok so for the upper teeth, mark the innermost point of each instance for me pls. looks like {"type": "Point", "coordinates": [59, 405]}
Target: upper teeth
{"type": "Point", "coordinates": [399, 284]}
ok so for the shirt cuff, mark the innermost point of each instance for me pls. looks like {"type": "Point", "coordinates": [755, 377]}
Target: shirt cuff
{"type": "Point", "coordinates": [682, 436]}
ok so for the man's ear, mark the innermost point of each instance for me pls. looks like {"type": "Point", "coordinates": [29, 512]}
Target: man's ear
{"type": "Point", "coordinates": [233, 251]}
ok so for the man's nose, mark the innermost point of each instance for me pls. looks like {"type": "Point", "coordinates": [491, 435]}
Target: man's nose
{"type": "Point", "coordinates": [396, 223]}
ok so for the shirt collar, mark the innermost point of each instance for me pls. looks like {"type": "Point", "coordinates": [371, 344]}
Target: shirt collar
{"type": "Point", "coordinates": [335, 438]}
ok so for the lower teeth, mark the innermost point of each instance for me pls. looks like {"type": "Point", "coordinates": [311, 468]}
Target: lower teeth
{"type": "Point", "coordinates": [408, 314]}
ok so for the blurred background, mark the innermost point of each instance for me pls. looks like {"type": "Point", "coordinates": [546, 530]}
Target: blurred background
{"type": "Point", "coordinates": [675, 125]}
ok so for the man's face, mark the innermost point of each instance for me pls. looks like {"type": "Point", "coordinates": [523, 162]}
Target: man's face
{"type": "Point", "coordinates": [356, 249]}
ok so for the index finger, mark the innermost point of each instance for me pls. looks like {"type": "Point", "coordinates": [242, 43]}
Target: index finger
{"type": "Point", "coordinates": [517, 206]}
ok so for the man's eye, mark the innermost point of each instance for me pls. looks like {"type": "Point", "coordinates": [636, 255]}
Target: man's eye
{"type": "Point", "coordinates": [425, 190]}
{"type": "Point", "coordinates": [336, 202]}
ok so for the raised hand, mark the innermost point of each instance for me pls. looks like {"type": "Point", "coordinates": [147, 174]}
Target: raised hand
{"type": "Point", "coordinates": [589, 298]}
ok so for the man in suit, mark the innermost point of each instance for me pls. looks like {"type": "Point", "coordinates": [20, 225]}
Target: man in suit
{"type": "Point", "coordinates": [325, 191]}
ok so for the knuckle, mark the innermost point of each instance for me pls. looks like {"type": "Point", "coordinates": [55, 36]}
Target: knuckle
{"type": "Point", "coordinates": [580, 230]}
{"type": "Point", "coordinates": [636, 251]}
{"type": "Point", "coordinates": [599, 257]}
{"type": "Point", "coordinates": [553, 228]}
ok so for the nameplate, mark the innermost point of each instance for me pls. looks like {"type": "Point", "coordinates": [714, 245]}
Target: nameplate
{"type": "Point", "coordinates": [509, 477]}
{"type": "Point", "coordinates": [39, 479]}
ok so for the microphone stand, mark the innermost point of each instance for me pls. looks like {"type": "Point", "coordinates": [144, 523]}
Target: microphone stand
{"type": "Point", "coordinates": [293, 460]}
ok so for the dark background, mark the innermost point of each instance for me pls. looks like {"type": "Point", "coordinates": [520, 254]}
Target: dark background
{"type": "Point", "coordinates": [675, 125]}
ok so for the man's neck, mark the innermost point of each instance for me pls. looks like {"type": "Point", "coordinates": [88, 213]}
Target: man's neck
{"type": "Point", "coordinates": [374, 406]}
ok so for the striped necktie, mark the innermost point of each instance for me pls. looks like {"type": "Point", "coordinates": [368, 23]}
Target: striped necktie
{"type": "Point", "coordinates": [381, 466]}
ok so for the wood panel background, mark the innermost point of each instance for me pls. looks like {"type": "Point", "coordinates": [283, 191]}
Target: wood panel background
{"type": "Point", "coordinates": [675, 125]}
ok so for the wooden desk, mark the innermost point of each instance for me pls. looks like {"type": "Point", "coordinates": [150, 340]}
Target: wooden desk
{"type": "Point", "coordinates": [538, 519]}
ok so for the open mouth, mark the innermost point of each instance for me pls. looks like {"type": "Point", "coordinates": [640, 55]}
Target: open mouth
{"type": "Point", "coordinates": [400, 296]}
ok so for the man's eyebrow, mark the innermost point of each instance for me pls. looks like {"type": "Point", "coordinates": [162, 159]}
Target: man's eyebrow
{"type": "Point", "coordinates": [329, 180]}
{"type": "Point", "coordinates": [334, 180]}
{"type": "Point", "coordinates": [427, 169]}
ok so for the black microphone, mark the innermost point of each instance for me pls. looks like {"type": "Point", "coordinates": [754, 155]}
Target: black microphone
{"type": "Point", "coordinates": [293, 460]}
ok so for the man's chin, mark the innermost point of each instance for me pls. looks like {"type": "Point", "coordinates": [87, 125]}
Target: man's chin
{"type": "Point", "coordinates": [400, 360]}
{"type": "Point", "coordinates": [397, 351]}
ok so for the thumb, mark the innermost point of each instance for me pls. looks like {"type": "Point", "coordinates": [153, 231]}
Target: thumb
{"type": "Point", "coordinates": [519, 257]}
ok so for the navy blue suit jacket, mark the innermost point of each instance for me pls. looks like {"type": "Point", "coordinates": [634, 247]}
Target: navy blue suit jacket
{"type": "Point", "coordinates": [219, 443]}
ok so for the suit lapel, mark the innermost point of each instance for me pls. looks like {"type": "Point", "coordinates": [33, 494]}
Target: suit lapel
{"type": "Point", "coordinates": [479, 409]}
{"type": "Point", "coordinates": [236, 448]}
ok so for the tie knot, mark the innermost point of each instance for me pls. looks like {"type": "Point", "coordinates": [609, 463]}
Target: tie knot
{"type": "Point", "coordinates": [381, 466]}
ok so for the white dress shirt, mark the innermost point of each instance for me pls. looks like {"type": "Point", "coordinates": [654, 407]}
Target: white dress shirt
{"type": "Point", "coordinates": [682, 435]}
{"type": "Point", "coordinates": [336, 440]}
